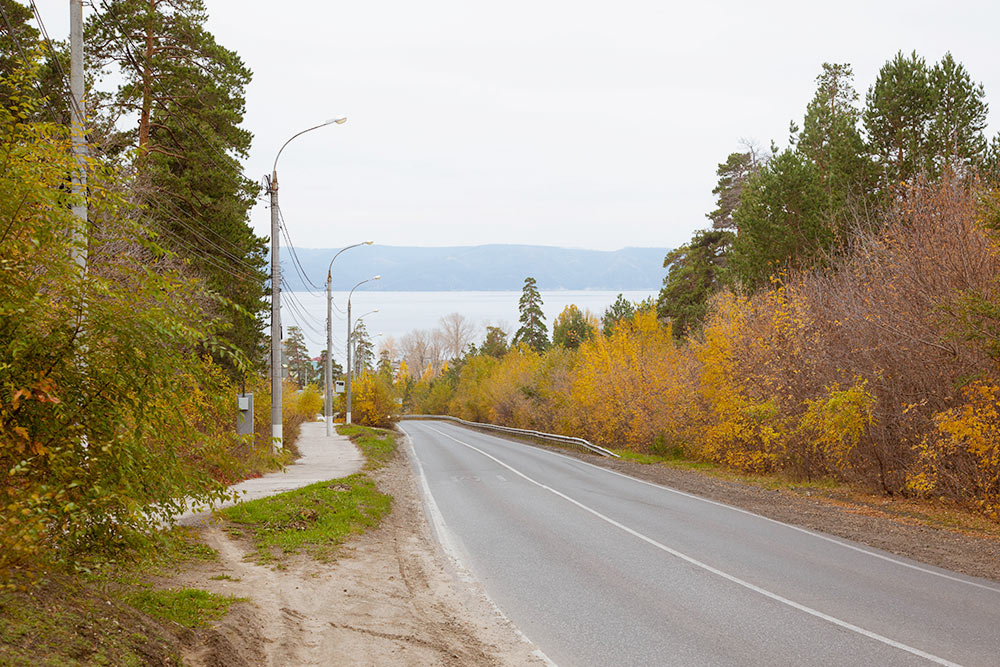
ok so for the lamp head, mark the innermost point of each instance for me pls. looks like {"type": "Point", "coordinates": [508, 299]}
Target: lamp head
{"type": "Point", "coordinates": [377, 278]}
{"type": "Point", "coordinates": [339, 120]}
{"type": "Point", "coordinates": [369, 242]}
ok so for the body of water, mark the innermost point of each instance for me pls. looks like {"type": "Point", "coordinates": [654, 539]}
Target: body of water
{"type": "Point", "coordinates": [401, 312]}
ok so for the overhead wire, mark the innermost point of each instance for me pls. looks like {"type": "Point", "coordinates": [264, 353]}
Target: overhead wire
{"type": "Point", "coordinates": [24, 56]}
{"type": "Point", "coordinates": [295, 257]}
{"type": "Point", "coordinates": [215, 263]}
{"type": "Point", "coordinates": [55, 57]}
{"type": "Point", "coordinates": [187, 218]}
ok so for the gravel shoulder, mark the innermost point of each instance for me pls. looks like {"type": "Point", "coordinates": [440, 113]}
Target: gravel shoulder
{"type": "Point", "coordinates": [391, 597]}
{"type": "Point", "coordinates": [883, 523]}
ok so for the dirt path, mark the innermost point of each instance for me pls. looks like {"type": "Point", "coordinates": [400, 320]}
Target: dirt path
{"type": "Point", "coordinates": [390, 598]}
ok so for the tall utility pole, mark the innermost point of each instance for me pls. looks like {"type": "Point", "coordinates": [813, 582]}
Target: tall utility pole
{"type": "Point", "coordinates": [272, 189]}
{"type": "Point", "coordinates": [79, 132]}
{"type": "Point", "coordinates": [276, 431]}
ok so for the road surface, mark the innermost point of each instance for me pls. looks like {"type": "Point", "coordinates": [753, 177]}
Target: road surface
{"type": "Point", "coordinates": [597, 568]}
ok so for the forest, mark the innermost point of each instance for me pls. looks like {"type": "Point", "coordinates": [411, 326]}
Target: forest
{"type": "Point", "coordinates": [838, 319]}
{"type": "Point", "coordinates": [124, 339]}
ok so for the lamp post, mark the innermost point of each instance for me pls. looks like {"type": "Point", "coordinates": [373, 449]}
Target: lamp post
{"type": "Point", "coordinates": [349, 331]}
{"type": "Point", "coordinates": [328, 366]}
{"type": "Point", "coordinates": [272, 190]}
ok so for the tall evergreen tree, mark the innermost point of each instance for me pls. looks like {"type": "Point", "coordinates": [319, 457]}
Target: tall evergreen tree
{"type": "Point", "coordinates": [781, 218]}
{"type": "Point", "coordinates": [364, 351]}
{"type": "Point", "coordinates": [188, 94]}
{"type": "Point", "coordinates": [831, 140]}
{"type": "Point", "coordinates": [898, 111]}
{"type": "Point", "coordinates": [733, 174]}
{"type": "Point", "coordinates": [495, 343]}
{"type": "Point", "coordinates": [622, 310]}
{"type": "Point", "coordinates": [533, 331]}
{"type": "Point", "coordinates": [695, 272]}
{"type": "Point", "coordinates": [296, 357]}
{"type": "Point", "coordinates": [955, 136]}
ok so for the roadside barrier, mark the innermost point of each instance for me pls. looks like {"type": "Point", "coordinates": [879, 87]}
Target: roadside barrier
{"type": "Point", "coordinates": [567, 439]}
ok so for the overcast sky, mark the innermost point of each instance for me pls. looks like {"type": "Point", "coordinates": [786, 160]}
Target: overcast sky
{"type": "Point", "coordinates": [557, 122]}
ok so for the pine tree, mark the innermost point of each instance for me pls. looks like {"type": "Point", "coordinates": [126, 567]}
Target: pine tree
{"type": "Point", "coordinates": [782, 220]}
{"type": "Point", "coordinates": [533, 331]}
{"type": "Point", "coordinates": [622, 310]}
{"type": "Point", "coordinates": [733, 173]}
{"type": "Point", "coordinates": [955, 137]}
{"type": "Point", "coordinates": [296, 357]}
{"type": "Point", "coordinates": [696, 271]}
{"type": "Point", "coordinates": [188, 93]}
{"type": "Point", "coordinates": [364, 352]}
{"type": "Point", "coordinates": [898, 110]}
{"type": "Point", "coordinates": [495, 343]}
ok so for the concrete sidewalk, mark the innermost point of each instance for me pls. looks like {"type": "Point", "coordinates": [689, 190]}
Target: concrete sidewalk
{"type": "Point", "coordinates": [322, 458]}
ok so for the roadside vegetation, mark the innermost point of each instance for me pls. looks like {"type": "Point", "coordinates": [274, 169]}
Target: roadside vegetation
{"type": "Point", "coordinates": [108, 612]}
{"type": "Point", "coordinates": [837, 324]}
{"type": "Point", "coordinates": [118, 378]}
{"type": "Point", "coordinates": [316, 519]}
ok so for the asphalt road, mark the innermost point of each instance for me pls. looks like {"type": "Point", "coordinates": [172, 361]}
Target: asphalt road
{"type": "Point", "coordinates": [597, 568]}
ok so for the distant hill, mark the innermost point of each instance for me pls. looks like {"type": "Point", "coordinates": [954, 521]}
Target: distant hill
{"type": "Point", "coordinates": [479, 268]}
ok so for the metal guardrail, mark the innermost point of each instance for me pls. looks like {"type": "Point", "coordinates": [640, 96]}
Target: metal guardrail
{"type": "Point", "coordinates": [568, 439]}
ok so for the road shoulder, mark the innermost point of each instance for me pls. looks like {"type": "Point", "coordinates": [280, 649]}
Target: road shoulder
{"type": "Point", "coordinates": [390, 597]}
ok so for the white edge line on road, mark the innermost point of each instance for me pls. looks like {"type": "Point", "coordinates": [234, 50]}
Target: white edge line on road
{"type": "Point", "coordinates": [452, 551]}
{"type": "Point", "coordinates": [832, 540]}
{"type": "Point", "coordinates": [708, 568]}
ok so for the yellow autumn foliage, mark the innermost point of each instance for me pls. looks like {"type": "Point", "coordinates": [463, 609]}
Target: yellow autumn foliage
{"type": "Point", "coordinates": [962, 457]}
{"type": "Point", "coordinates": [631, 387]}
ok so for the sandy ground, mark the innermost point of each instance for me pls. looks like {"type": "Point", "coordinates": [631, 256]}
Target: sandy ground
{"type": "Point", "coordinates": [391, 598]}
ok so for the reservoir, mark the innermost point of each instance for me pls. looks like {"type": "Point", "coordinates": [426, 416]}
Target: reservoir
{"type": "Point", "coordinates": [401, 312]}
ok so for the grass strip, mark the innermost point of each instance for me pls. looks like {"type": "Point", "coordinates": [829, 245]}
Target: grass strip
{"type": "Point", "coordinates": [377, 444]}
{"type": "Point", "coordinates": [316, 518]}
{"type": "Point", "coordinates": [189, 607]}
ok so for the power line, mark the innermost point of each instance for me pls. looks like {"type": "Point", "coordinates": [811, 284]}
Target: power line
{"type": "Point", "coordinates": [295, 256]}
{"type": "Point", "coordinates": [318, 327]}
{"type": "Point", "coordinates": [180, 221]}
{"type": "Point", "coordinates": [55, 57]}
{"type": "Point", "coordinates": [212, 261]}
{"type": "Point", "coordinates": [24, 56]}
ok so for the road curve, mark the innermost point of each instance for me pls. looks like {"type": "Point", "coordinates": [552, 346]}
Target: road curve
{"type": "Point", "coordinates": [598, 568]}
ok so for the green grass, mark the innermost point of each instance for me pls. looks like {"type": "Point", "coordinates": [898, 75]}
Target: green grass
{"type": "Point", "coordinates": [377, 444]}
{"type": "Point", "coordinates": [672, 460]}
{"type": "Point", "coordinates": [190, 607]}
{"type": "Point", "coordinates": [66, 621]}
{"type": "Point", "coordinates": [316, 518]}
{"type": "Point", "coordinates": [773, 481]}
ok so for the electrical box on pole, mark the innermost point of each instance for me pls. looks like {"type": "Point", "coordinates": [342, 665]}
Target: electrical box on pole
{"type": "Point", "coordinates": [244, 415]}
{"type": "Point", "coordinates": [339, 386]}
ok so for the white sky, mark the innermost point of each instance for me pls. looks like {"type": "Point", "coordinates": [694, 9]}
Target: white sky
{"type": "Point", "coordinates": [556, 122]}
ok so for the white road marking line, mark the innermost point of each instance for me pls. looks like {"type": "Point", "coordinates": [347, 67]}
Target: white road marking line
{"type": "Point", "coordinates": [444, 537]}
{"type": "Point", "coordinates": [708, 568]}
{"type": "Point", "coordinates": [821, 536]}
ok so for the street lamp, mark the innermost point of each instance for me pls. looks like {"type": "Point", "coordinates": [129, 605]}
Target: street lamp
{"type": "Point", "coordinates": [272, 189]}
{"type": "Point", "coordinates": [328, 366]}
{"type": "Point", "coordinates": [349, 332]}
